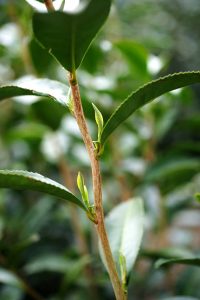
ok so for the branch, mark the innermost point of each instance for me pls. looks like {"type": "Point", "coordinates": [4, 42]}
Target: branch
{"type": "Point", "coordinates": [97, 188]}
{"type": "Point", "coordinates": [49, 5]}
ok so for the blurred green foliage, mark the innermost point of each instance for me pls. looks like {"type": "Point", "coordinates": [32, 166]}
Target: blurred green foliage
{"type": "Point", "coordinates": [154, 155]}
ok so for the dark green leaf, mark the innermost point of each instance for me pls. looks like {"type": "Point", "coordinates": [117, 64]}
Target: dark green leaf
{"type": "Point", "coordinates": [36, 87]}
{"type": "Point", "coordinates": [39, 54]}
{"type": "Point", "coordinates": [36, 182]}
{"type": "Point", "coordinates": [170, 168]}
{"type": "Point", "coordinates": [167, 253]}
{"type": "Point", "coordinates": [194, 261]}
{"type": "Point", "coordinates": [68, 35]}
{"type": "Point", "coordinates": [171, 173]}
{"type": "Point", "coordinates": [42, 111]}
{"type": "Point", "coordinates": [136, 56]}
{"type": "Point", "coordinates": [124, 225]}
{"type": "Point", "coordinates": [28, 131]}
{"type": "Point", "coordinates": [146, 94]}
{"type": "Point", "coordinates": [55, 263]}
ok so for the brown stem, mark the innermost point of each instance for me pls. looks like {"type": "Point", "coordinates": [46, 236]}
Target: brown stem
{"type": "Point", "coordinates": [49, 5]}
{"type": "Point", "coordinates": [30, 291]}
{"type": "Point", "coordinates": [96, 177]}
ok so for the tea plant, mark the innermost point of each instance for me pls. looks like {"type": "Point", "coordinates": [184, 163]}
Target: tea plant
{"type": "Point", "coordinates": [67, 37]}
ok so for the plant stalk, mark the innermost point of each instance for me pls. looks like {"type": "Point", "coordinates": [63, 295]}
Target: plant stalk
{"type": "Point", "coordinates": [49, 5]}
{"type": "Point", "coordinates": [97, 187]}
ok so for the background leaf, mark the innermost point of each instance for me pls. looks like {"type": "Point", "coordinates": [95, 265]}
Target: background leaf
{"type": "Point", "coordinates": [179, 298]}
{"type": "Point", "coordinates": [136, 56]}
{"type": "Point", "coordinates": [146, 94]}
{"type": "Point", "coordinates": [167, 253]}
{"type": "Point", "coordinates": [33, 181]}
{"type": "Point", "coordinates": [194, 261]}
{"type": "Point", "coordinates": [165, 172]}
{"type": "Point", "coordinates": [29, 86]}
{"type": "Point", "coordinates": [55, 263]}
{"type": "Point", "coordinates": [197, 197]}
{"type": "Point", "coordinates": [68, 35]}
{"type": "Point", "coordinates": [124, 226]}
{"type": "Point", "coordinates": [7, 277]}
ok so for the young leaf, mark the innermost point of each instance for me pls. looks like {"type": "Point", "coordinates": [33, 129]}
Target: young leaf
{"type": "Point", "coordinates": [123, 271]}
{"type": "Point", "coordinates": [124, 226]}
{"type": "Point", "coordinates": [99, 120]}
{"type": "Point", "coordinates": [194, 261]}
{"type": "Point", "coordinates": [91, 213]}
{"type": "Point", "coordinates": [83, 189]}
{"type": "Point", "coordinates": [37, 87]}
{"type": "Point", "coordinates": [67, 36]}
{"type": "Point", "coordinates": [27, 180]}
{"type": "Point", "coordinates": [146, 94]}
{"type": "Point", "coordinates": [86, 195]}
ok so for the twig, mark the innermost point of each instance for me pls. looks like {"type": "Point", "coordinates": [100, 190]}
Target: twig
{"type": "Point", "coordinates": [30, 291]}
{"type": "Point", "coordinates": [27, 288]}
{"type": "Point", "coordinates": [49, 5]}
{"type": "Point", "coordinates": [96, 177]}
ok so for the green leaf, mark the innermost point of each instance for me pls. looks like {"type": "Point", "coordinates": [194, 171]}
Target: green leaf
{"type": "Point", "coordinates": [54, 263]}
{"type": "Point", "coordinates": [9, 292]}
{"type": "Point", "coordinates": [136, 56]}
{"type": "Point", "coordinates": [91, 213]}
{"type": "Point", "coordinates": [197, 197]}
{"type": "Point", "coordinates": [36, 182]}
{"type": "Point", "coordinates": [28, 131]}
{"type": "Point", "coordinates": [171, 173]}
{"type": "Point", "coordinates": [8, 277]}
{"type": "Point", "coordinates": [194, 261]}
{"type": "Point", "coordinates": [67, 36]}
{"type": "Point", "coordinates": [80, 183]}
{"type": "Point", "coordinates": [99, 120]}
{"type": "Point", "coordinates": [36, 87]}
{"type": "Point", "coordinates": [144, 95]}
{"type": "Point", "coordinates": [124, 226]}
{"type": "Point", "coordinates": [170, 168]}
{"type": "Point", "coordinates": [83, 189]}
{"type": "Point", "coordinates": [167, 253]}
{"type": "Point", "coordinates": [123, 271]}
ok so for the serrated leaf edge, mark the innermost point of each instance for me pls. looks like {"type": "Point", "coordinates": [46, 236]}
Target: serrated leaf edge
{"type": "Point", "coordinates": [144, 86]}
